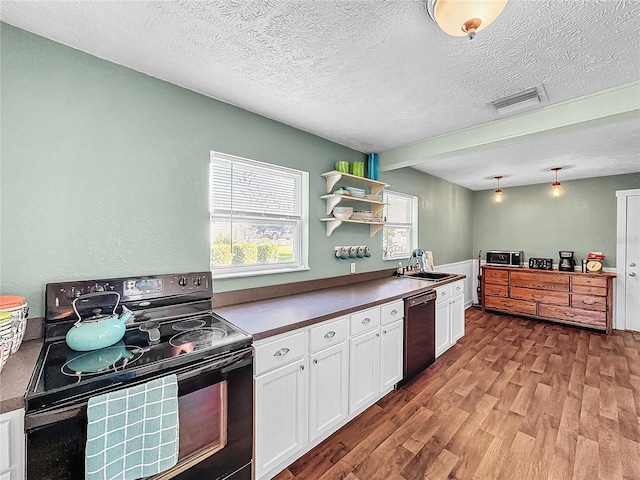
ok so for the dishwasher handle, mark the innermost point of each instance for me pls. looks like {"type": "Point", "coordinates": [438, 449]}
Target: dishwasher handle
{"type": "Point", "coordinates": [420, 298]}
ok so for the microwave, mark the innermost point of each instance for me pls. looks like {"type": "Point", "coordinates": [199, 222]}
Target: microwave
{"type": "Point", "coordinates": [505, 258]}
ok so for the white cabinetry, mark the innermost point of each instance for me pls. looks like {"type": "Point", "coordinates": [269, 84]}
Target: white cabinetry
{"type": "Point", "coordinates": [391, 349]}
{"type": "Point", "coordinates": [328, 376]}
{"type": "Point", "coordinates": [449, 315]}
{"type": "Point", "coordinates": [280, 401]}
{"type": "Point", "coordinates": [312, 381]}
{"type": "Point", "coordinates": [12, 443]}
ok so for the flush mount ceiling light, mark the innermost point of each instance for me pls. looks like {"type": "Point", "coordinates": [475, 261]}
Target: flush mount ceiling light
{"type": "Point", "coordinates": [556, 187]}
{"type": "Point", "coordinates": [498, 192]}
{"type": "Point", "coordinates": [464, 17]}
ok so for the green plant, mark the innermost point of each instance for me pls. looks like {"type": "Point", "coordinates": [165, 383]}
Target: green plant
{"type": "Point", "coordinates": [221, 254]}
{"type": "Point", "coordinates": [244, 253]}
{"type": "Point", "coordinates": [222, 239]}
{"type": "Point", "coordinates": [267, 253]}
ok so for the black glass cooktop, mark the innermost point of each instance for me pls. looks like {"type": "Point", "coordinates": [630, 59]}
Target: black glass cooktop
{"type": "Point", "coordinates": [146, 348]}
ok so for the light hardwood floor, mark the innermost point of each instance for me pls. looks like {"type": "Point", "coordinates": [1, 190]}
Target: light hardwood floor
{"type": "Point", "coordinates": [514, 399]}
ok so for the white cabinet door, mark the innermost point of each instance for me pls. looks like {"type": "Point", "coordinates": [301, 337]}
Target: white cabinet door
{"type": "Point", "coordinates": [443, 327]}
{"type": "Point", "coordinates": [364, 374]}
{"type": "Point", "coordinates": [457, 318]}
{"type": "Point", "coordinates": [280, 415]}
{"type": "Point", "coordinates": [12, 463]}
{"type": "Point", "coordinates": [328, 389]}
{"type": "Point", "coordinates": [391, 346]}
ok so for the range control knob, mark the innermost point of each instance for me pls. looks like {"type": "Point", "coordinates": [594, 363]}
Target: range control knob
{"type": "Point", "coordinates": [197, 281]}
{"type": "Point", "coordinates": [97, 288]}
{"type": "Point", "coordinates": [72, 293]}
{"type": "Point", "coordinates": [182, 282]}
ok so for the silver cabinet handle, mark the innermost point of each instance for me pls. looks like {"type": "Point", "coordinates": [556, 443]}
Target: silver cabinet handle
{"type": "Point", "coordinates": [632, 264]}
{"type": "Point", "coordinates": [301, 367]}
{"type": "Point", "coordinates": [632, 274]}
{"type": "Point", "coordinates": [394, 312]}
{"type": "Point", "coordinates": [444, 294]}
{"type": "Point", "coordinates": [315, 361]}
{"type": "Point", "coordinates": [282, 352]}
{"type": "Point", "coordinates": [377, 335]}
{"type": "Point", "coordinates": [384, 331]}
{"type": "Point", "coordinates": [330, 334]}
{"type": "Point", "coordinates": [365, 320]}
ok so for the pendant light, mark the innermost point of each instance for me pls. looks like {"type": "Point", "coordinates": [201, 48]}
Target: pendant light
{"type": "Point", "coordinates": [464, 17]}
{"type": "Point", "coordinates": [498, 192]}
{"type": "Point", "coordinates": [556, 187]}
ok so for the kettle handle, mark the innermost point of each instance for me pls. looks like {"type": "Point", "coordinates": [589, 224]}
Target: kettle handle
{"type": "Point", "coordinates": [91, 295]}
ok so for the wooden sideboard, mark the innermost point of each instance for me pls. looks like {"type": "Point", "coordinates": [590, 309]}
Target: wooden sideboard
{"type": "Point", "coordinates": [573, 298]}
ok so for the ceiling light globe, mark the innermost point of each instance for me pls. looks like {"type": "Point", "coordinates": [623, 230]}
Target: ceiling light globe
{"type": "Point", "coordinates": [498, 195]}
{"type": "Point", "coordinates": [461, 18]}
{"type": "Point", "coordinates": [556, 189]}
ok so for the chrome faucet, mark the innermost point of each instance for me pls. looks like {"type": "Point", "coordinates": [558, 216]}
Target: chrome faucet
{"type": "Point", "coordinates": [421, 260]}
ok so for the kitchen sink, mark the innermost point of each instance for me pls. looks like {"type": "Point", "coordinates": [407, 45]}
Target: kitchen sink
{"type": "Point", "coordinates": [432, 276]}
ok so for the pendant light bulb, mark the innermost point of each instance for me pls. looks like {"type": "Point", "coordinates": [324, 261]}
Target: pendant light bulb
{"type": "Point", "coordinates": [556, 187]}
{"type": "Point", "coordinates": [497, 192]}
{"type": "Point", "coordinates": [460, 18]}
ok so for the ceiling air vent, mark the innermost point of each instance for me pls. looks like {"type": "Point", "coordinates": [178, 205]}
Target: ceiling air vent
{"type": "Point", "coordinates": [520, 101]}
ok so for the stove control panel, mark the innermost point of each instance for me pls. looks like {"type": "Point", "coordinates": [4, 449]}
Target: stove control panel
{"type": "Point", "coordinates": [139, 291]}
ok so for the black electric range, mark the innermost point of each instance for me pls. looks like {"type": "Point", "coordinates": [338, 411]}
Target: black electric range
{"type": "Point", "coordinates": [173, 329]}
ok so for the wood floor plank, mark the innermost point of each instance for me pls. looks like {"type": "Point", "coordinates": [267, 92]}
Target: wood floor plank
{"type": "Point", "coordinates": [513, 399]}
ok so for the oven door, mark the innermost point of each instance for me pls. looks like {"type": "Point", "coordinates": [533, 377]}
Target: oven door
{"type": "Point", "coordinates": [215, 404]}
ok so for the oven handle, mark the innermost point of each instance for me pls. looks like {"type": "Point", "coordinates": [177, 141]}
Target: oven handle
{"type": "Point", "coordinates": [237, 360]}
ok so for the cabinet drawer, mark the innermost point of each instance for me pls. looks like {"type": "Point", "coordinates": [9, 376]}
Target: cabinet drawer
{"type": "Point", "coordinates": [600, 291]}
{"type": "Point", "coordinates": [590, 281]}
{"type": "Point", "coordinates": [365, 320]}
{"type": "Point", "coordinates": [542, 296]}
{"type": "Point", "coordinates": [496, 290]}
{"type": "Point", "coordinates": [444, 293]}
{"type": "Point", "coordinates": [497, 277]}
{"type": "Point", "coordinates": [391, 312]}
{"type": "Point", "coordinates": [589, 302]}
{"type": "Point", "coordinates": [327, 334]}
{"type": "Point", "coordinates": [543, 281]}
{"type": "Point", "coordinates": [576, 316]}
{"type": "Point", "coordinates": [509, 305]}
{"type": "Point", "coordinates": [278, 352]}
{"type": "Point", "coordinates": [457, 288]}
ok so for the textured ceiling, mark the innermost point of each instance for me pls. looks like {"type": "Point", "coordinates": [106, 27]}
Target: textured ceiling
{"type": "Point", "coordinates": [372, 75]}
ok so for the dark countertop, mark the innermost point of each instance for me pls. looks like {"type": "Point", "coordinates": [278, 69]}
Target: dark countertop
{"type": "Point", "coordinates": [262, 319]}
{"type": "Point", "coordinates": [16, 374]}
{"type": "Point", "coordinates": [266, 318]}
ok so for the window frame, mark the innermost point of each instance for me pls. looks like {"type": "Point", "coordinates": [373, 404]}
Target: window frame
{"type": "Point", "coordinates": [412, 225]}
{"type": "Point", "coordinates": [300, 261]}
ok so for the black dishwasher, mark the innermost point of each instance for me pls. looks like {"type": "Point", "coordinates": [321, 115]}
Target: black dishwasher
{"type": "Point", "coordinates": [419, 332]}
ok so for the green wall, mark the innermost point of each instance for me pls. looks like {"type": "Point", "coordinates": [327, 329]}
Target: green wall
{"type": "Point", "coordinates": [104, 172]}
{"type": "Point", "coordinates": [583, 219]}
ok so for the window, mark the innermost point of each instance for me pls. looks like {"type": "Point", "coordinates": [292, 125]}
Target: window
{"type": "Point", "coordinates": [258, 217]}
{"type": "Point", "coordinates": [400, 233]}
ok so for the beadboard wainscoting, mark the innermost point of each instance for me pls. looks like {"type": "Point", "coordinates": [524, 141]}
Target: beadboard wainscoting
{"type": "Point", "coordinates": [468, 268]}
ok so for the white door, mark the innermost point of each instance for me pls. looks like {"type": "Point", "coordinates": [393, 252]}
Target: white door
{"type": "Point", "coordinates": [391, 345]}
{"type": "Point", "coordinates": [457, 318]}
{"type": "Point", "coordinates": [443, 327]}
{"type": "Point", "coordinates": [280, 411]}
{"type": "Point", "coordinates": [364, 374]}
{"type": "Point", "coordinates": [628, 260]}
{"type": "Point", "coordinates": [328, 389]}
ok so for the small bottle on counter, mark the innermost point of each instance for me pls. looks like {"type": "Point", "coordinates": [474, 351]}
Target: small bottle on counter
{"type": "Point", "coordinates": [400, 269]}
{"type": "Point", "coordinates": [584, 265]}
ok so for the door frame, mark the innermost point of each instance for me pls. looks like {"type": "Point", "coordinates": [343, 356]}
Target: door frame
{"type": "Point", "coordinates": [619, 319]}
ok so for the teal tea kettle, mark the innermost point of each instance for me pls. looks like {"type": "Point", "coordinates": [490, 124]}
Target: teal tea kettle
{"type": "Point", "coordinates": [99, 330]}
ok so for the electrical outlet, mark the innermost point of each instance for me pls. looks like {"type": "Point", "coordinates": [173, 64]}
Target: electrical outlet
{"type": "Point", "coordinates": [353, 267]}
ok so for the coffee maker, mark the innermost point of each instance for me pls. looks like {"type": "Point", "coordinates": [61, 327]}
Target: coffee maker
{"type": "Point", "coordinates": [567, 262]}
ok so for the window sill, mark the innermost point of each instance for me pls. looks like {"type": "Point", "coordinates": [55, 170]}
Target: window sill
{"type": "Point", "coordinates": [255, 273]}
